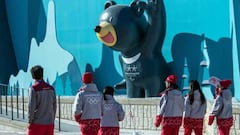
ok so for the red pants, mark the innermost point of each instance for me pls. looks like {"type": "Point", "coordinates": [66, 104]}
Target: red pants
{"type": "Point", "coordinates": [109, 131]}
{"type": "Point", "coordinates": [224, 130]}
{"type": "Point", "coordinates": [224, 125]}
{"type": "Point", "coordinates": [37, 129]}
{"type": "Point", "coordinates": [170, 130]}
{"type": "Point", "coordinates": [197, 131]}
{"type": "Point", "coordinates": [90, 127]}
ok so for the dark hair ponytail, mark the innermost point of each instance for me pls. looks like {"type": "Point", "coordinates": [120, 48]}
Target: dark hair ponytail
{"type": "Point", "coordinates": [108, 90]}
{"type": "Point", "coordinates": [173, 86]}
{"type": "Point", "coordinates": [194, 85]}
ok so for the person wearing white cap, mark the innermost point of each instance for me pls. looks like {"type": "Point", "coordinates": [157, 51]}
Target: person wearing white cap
{"type": "Point", "coordinates": [222, 108]}
{"type": "Point", "coordinates": [170, 108]}
{"type": "Point", "coordinates": [88, 106]}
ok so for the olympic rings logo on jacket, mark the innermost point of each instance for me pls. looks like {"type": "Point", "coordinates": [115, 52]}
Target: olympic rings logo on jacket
{"type": "Point", "coordinates": [93, 100]}
{"type": "Point", "coordinates": [108, 106]}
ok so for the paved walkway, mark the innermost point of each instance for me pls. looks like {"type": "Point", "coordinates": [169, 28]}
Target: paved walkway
{"type": "Point", "coordinates": [7, 130]}
{"type": "Point", "coordinates": [9, 127]}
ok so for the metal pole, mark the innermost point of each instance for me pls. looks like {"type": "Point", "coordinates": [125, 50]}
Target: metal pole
{"type": "Point", "coordinates": [1, 98]}
{"type": "Point", "coordinates": [23, 104]}
{"type": "Point", "coordinates": [17, 89]}
{"type": "Point", "coordinates": [12, 101]}
{"type": "Point", "coordinates": [6, 100]}
{"type": "Point", "coordinates": [59, 114]}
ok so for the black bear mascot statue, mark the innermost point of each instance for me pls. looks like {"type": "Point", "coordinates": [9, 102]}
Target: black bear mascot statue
{"type": "Point", "coordinates": [139, 38]}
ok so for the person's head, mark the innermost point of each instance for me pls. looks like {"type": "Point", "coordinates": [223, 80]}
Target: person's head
{"type": "Point", "coordinates": [108, 90]}
{"type": "Point", "coordinates": [171, 81]}
{"type": "Point", "coordinates": [224, 84]}
{"type": "Point", "coordinates": [37, 72]}
{"type": "Point", "coordinates": [194, 85]}
{"type": "Point", "coordinates": [87, 78]}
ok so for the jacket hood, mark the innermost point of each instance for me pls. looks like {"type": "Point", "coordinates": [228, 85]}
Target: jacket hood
{"type": "Point", "coordinates": [175, 94]}
{"type": "Point", "coordinates": [90, 87]}
{"type": "Point", "coordinates": [227, 93]}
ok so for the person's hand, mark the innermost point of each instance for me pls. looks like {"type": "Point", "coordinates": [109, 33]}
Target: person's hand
{"type": "Point", "coordinates": [29, 124]}
{"type": "Point", "coordinates": [158, 120]}
{"type": "Point", "coordinates": [210, 119]}
{"type": "Point", "coordinates": [77, 118]}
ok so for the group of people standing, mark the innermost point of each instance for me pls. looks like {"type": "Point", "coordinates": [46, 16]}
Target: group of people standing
{"type": "Point", "coordinates": [176, 110]}
{"type": "Point", "coordinates": [98, 113]}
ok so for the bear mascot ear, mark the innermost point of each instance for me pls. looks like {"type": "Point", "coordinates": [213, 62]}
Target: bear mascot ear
{"type": "Point", "coordinates": [138, 7]}
{"type": "Point", "coordinates": [109, 3]}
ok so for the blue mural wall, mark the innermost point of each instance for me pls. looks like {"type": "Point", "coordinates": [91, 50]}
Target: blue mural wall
{"type": "Point", "coordinates": [202, 40]}
{"type": "Point", "coordinates": [8, 63]}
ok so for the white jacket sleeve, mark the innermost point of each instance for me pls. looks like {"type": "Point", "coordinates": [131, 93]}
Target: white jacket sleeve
{"type": "Point", "coordinates": [162, 104]}
{"type": "Point", "coordinates": [217, 105]}
{"type": "Point", "coordinates": [78, 104]}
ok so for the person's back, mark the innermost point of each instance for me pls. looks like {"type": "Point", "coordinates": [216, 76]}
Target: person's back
{"type": "Point", "coordinates": [222, 108]}
{"type": "Point", "coordinates": [175, 103]}
{"type": "Point", "coordinates": [198, 109]}
{"type": "Point", "coordinates": [88, 102]}
{"type": "Point", "coordinates": [112, 113]}
{"type": "Point", "coordinates": [195, 109]}
{"type": "Point", "coordinates": [170, 108]}
{"type": "Point", "coordinates": [226, 99]}
{"type": "Point", "coordinates": [87, 107]}
{"type": "Point", "coordinates": [42, 105]}
{"type": "Point", "coordinates": [43, 99]}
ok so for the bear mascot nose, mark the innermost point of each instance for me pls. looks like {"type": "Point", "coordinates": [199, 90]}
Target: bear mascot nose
{"type": "Point", "coordinates": [97, 29]}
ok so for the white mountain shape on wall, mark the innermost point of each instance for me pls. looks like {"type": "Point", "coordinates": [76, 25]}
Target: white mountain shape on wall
{"type": "Point", "coordinates": [48, 54]}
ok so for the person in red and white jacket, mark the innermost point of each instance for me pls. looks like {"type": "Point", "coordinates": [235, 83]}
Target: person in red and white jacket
{"type": "Point", "coordinates": [170, 108]}
{"type": "Point", "coordinates": [195, 110]}
{"type": "Point", "coordinates": [112, 113]}
{"type": "Point", "coordinates": [42, 105]}
{"type": "Point", "coordinates": [88, 106]}
{"type": "Point", "coordinates": [222, 108]}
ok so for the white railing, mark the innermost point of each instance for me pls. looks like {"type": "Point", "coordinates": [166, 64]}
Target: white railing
{"type": "Point", "coordinates": [140, 112]}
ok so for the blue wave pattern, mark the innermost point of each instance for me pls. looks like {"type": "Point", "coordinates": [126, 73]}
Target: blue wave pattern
{"type": "Point", "coordinates": [77, 49]}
